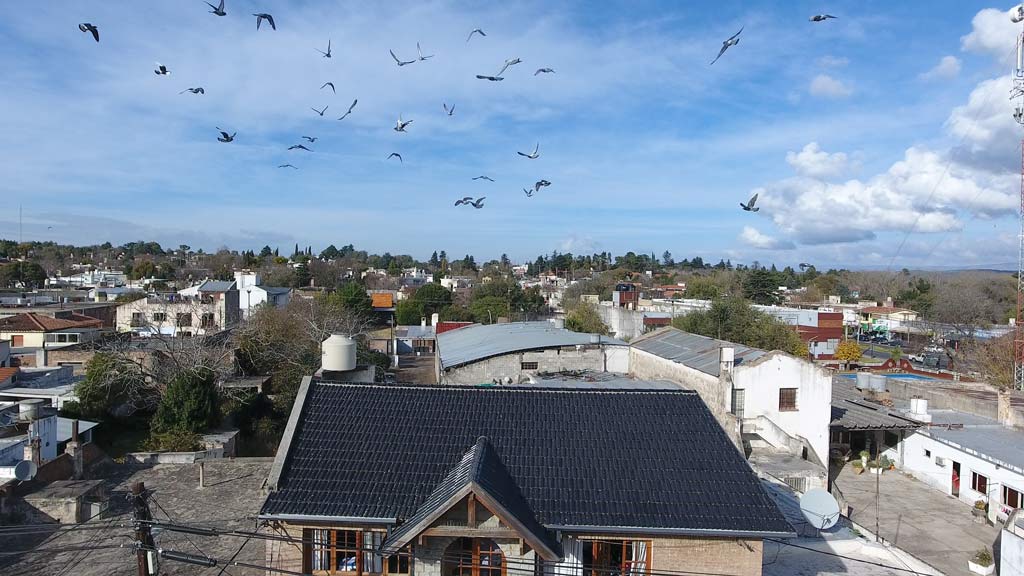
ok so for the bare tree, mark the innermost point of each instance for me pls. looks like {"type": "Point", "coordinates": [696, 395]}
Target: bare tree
{"type": "Point", "coordinates": [961, 303]}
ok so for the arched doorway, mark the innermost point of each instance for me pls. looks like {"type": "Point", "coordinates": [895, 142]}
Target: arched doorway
{"type": "Point", "coordinates": [473, 557]}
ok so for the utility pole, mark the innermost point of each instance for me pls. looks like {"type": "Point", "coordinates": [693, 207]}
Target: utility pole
{"type": "Point", "coordinates": [1017, 93]}
{"type": "Point", "coordinates": [143, 535]}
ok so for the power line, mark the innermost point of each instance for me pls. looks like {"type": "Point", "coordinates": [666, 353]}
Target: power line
{"type": "Point", "coordinates": [879, 564]}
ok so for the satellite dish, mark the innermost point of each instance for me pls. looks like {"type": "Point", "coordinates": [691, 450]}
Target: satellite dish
{"type": "Point", "coordinates": [819, 508]}
{"type": "Point", "coordinates": [24, 470]}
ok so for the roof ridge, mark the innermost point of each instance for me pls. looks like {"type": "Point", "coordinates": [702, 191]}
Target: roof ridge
{"type": "Point", "coordinates": [503, 388]}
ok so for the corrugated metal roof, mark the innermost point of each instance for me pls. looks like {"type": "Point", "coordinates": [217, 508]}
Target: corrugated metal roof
{"type": "Point", "coordinates": [479, 341]}
{"type": "Point", "coordinates": [850, 411]}
{"type": "Point", "coordinates": [693, 350]}
{"type": "Point", "coordinates": [990, 441]}
{"type": "Point", "coordinates": [217, 286]}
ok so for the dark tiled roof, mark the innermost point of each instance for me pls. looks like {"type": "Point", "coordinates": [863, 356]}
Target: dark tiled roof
{"type": "Point", "coordinates": [482, 472]}
{"type": "Point", "coordinates": [606, 458]}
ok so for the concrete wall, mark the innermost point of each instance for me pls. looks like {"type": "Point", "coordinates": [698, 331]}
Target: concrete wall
{"type": "Point", "coordinates": [1011, 546]}
{"type": "Point", "coordinates": [596, 358]}
{"type": "Point", "coordinates": [5, 353]}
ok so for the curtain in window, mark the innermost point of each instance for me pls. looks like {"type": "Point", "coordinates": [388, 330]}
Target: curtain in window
{"type": "Point", "coordinates": [638, 564]}
{"type": "Point", "coordinates": [572, 564]}
{"type": "Point", "coordinates": [372, 562]}
{"type": "Point", "coordinates": [321, 550]}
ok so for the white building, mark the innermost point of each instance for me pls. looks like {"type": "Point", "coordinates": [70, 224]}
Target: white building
{"type": "Point", "coordinates": [91, 278]}
{"type": "Point", "coordinates": [177, 315]}
{"type": "Point", "coordinates": [252, 293]}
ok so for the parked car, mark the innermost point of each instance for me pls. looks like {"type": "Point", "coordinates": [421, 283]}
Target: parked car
{"type": "Point", "coordinates": [916, 358]}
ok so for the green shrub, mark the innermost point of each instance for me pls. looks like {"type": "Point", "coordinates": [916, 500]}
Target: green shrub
{"type": "Point", "coordinates": [173, 440]}
{"type": "Point", "coordinates": [189, 403]}
{"type": "Point", "coordinates": [983, 557]}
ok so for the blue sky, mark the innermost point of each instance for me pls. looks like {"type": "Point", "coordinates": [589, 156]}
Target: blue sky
{"type": "Point", "coordinates": [892, 118]}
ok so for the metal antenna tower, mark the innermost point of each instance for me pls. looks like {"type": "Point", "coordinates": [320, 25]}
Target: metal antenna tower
{"type": "Point", "coordinates": [1017, 93]}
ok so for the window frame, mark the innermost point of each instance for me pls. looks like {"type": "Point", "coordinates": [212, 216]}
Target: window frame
{"type": "Point", "coordinates": [1020, 497]}
{"type": "Point", "coordinates": [975, 483]}
{"type": "Point", "coordinates": [529, 365]}
{"type": "Point", "coordinates": [360, 546]}
{"type": "Point", "coordinates": [787, 407]}
{"type": "Point", "coordinates": [625, 565]}
{"type": "Point", "coordinates": [159, 316]}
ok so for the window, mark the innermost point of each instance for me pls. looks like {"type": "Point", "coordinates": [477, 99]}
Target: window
{"type": "Point", "coordinates": [207, 320]}
{"type": "Point", "coordinates": [528, 365]}
{"type": "Point", "coordinates": [927, 453]}
{"type": "Point", "coordinates": [605, 557]}
{"type": "Point", "coordinates": [979, 483]}
{"type": "Point", "coordinates": [400, 562]}
{"type": "Point", "coordinates": [738, 402]}
{"type": "Point", "coordinates": [138, 319]}
{"type": "Point", "coordinates": [787, 399]}
{"type": "Point", "coordinates": [329, 552]}
{"type": "Point", "coordinates": [184, 319]}
{"type": "Point", "coordinates": [159, 316]}
{"type": "Point", "coordinates": [1011, 498]}
{"type": "Point", "coordinates": [473, 557]}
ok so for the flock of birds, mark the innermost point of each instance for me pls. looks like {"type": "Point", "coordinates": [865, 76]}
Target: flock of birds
{"type": "Point", "coordinates": [400, 124]}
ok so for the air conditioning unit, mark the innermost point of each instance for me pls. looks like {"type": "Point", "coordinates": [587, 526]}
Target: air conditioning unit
{"type": "Point", "coordinates": [940, 461]}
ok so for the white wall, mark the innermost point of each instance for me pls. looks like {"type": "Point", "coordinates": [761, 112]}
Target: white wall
{"type": "Point", "coordinates": [598, 359]}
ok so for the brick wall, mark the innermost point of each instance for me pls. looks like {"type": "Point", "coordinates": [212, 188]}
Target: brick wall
{"type": "Point", "coordinates": [707, 555]}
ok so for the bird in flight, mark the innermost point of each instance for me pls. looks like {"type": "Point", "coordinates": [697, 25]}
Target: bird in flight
{"type": "Point", "coordinates": [224, 136]}
{"type": "Point", "coordinates": [320, 112]}
{"type": "Point", "coordinates": [328, 53]}
{"type": "Point", "coordinates": [311, 139]}
{"type": "Point", "coordinates": [331, 84]}
{"type": "Point", "coordinates": [820, 17]}
{"type": "Point", "coordinates": [491, 78]}
{"type": "Point", "coordinates": [86, 27]}
{"type": "Point", "coordinates": [532, 155]}
{"type": "Point", "coordinates": [749, 206]}
{"type": "Point", "coordinates": [287, 166]}
{"type": "Point", "coordinates": [732, 41]}
{"type": "Point", "coordinates": [528, 192]}
{"type": "Point", "coordinates": [544, 71]}
{"type": "Point", "coordinates": [488, 178]}
{"type": "Point", "coordinates": [354, 102]}
{"type": "Point", "coordinates": [465, 200]}
{"type": "Point", "coordinates": [400, 125]}
{"type": "Point", "coordinates": [475, 31]}
{"type": "Point", "coordinates": [198, 90]}
{"type": "Point", "coordinates": [451, 110]}
{"type": "Point", "coordinates": [479, 203]}
{"type": "Point", "coordinates": [400, 62]}
{"type": "Point", "coordinates": [299, 147]}
{"type": "Point", "coordinates": [509, 62]}
{"type": "Point", "coordinates": [260, 17]}
{"type": "Point", "coordinates": [420, 53]}
{"type": "Point", "coordinates": [161, 70]}
{"type": "Point", "coordinates": [540, 184]}
{"type": "Point", "coordinates": [218, 10]}
{"type": "Point", "coordinates": [395, 155]}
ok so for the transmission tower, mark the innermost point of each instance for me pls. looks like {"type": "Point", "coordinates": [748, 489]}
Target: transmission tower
{"type": "Point", "coordinates": [1017, 93]}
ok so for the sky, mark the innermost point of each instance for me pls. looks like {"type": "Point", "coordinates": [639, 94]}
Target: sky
{"type": "Point", "coordinates": [883, 138]}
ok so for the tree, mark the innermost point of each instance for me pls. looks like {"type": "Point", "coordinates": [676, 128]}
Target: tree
{"type": "Point", "coordinates": [189, 403]}
{"type": "Point", "coordinates": [26, 274]}
{"type": "Point", "coordinates": [735, 320]}
{"type": "Point", "coordinates": [760, 286]}
{"type": "Point", "coordinates": [330, 253]}
{"type": "Point", "coordinates": [896, 353]}
{"type": "Point", "coordinates": [352, 296]}
{"type": "Point", "coordinates": [584, 318]}
{"type": "Point", "coordinates": [301, 275]}
{"type": "Point", "coordinates": [408, 312]}
{"type": "Point", "coordinates": [110, 382]}
{"type": "Point", "coordinates": [702, 289]}
{"type": "Point", "coordinates": [455, 313]}
{"type": "Point", "coordinates": [487, 309]}
{"type": "Point", "coordinates": [144, 269]}
{"type": "Point", "coordinates": [432, 298]}
{"type": "Point", "coordinates": [434, 262]}
{"type": "Point", "coordinates": [667, 260]}
{"type": "Point", "coordinates": [848, 351]}
{"type": "Point", "coordinates": [266, 252]}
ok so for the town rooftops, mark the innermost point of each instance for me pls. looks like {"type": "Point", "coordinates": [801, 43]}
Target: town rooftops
{"type": "Point", "coordinates": [640, 461]}
{"type": "Point", "coordinates": [983, 437]}
{"type": "Point", "coordinates": [851, 411]}
{"type": "Point", "coordinates": [885, 310]}
{"type": "Point", "coordinates": [480, 341]}
{"type": "Point", "coordinates": [693, 350]}
{"type": "Point", "coordinates": [32, 322]}
{"type": "Point", "coordinates": [217, 286]}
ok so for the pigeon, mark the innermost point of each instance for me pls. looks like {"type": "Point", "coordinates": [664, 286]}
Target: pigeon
{"type": "Point", "coordinates": [299, 147]}
{"type": "Point", "coordinates": [488, 178]}
{"type": "Point", "coordinates": [749, 206]}
{"type": "Point", "coordinates": [420, 53]}
{"type": "Point", "coordinates": [479, 203]}
{"type": "Point", "coordinates": [161, 70]}
{"type": "Point", "coordinates": [451, 110]}
{"type": "Point", "coordinates": [820, 17]}
{"type": "Point", "coordinates": [465, 200]}
{"type": "Point", "coordinates": [532, 155]}
{"type": "Point", "coordinates": [331, 84]}
{"type": "Point", "coordinates": [218, 10]}
{"type": "Point", "coordinates": [312, 139]}
{"type": "Point", "coordinates": [287, 166]}
{"type": "Point", "coordinates": [491, 78]}
{"type": "Point", "coordinates": [320, 112]}
{"type": "Point", "coordinates": [263, 16]}
{"type": "Point", "coordinates": [224, 136]}
{"type": "Point", "coordinates": [509, 62]}
{"type": "Point", "coordinates": [529, 193]}
{"type": "Point", "coordinates": [198, 90]}
{"type": "Point", "coordinates": [400, 62]}
{"type": "Point", "coordinates": [476, 31]}
{"type": "Point", "coordinates": [400, 125]}
{"type": "Point", "coordinates": [544, 71]}
{"type": "Point", "coordinates": [354, 102]}
{"type": "Point", "coordinates": [395, 155]}
{"type": "Point", "coordinates": [732, 41]}
{"type": "Point", "coordinates": [540, 184]}
{"type": "Point", "coordinates": [86, 27]}
{"type": "Point", "coordinates": [328, 53]}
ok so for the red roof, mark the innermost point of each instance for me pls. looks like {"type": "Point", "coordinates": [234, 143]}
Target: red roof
{"type": "Point", "coordinates": [884, 310]}
{"type": "Point", "coordinates": [32, 322]}
{"type": "Point", "coordinates": [445, 326]}
{"type": "Point", "coordinates": [7, 373]}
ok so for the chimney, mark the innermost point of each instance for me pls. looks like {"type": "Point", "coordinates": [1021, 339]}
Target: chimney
{"type": "Point", "coordinates": [32, 452]}
{"type": "Point", "coordinates": [1005, 413]}
{"type": "Point", "coordinates": [74, 449]}
{"type": "Point", "coordinates": [726, 356]}
{"type": "Point", "coordinates": [202, 474]}
{"type": "Point", "coordinates": [434, 319]}
{"type": "Point", "coordinates": [423, 321]}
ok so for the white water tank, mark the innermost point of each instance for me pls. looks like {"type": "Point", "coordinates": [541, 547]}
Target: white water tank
{"type": "Point", "coordinates": [878, 382]}
{"type": "Point", "coordinates": [28, 410]}
{"type": "Point", "coordinates": [595, 338]}
{"type": "Point", "coordinates": [24, 470]}
{"type": "Point", "coordinates": [863, 380]}
{"type": "Point", "coordinates": [338, 353]}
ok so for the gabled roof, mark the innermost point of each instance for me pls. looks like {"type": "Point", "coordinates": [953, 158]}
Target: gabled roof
{"type": "Point", "coordinates": [482, 473]}
{"type": "Point", "coordinates": [481, 341]}
{"type": "Point", "coordinates": [276, 290]}
{"type": "Point", "coordinates": [851, 411]}
{"type": "Point", "coordinates": [217, 286]}
{"type": "Point", "coordinates": [644, 461]}
{"type": "Point", "coordinates": [32, 322]}
{"type": "Point", "coordinates": [693, 350]}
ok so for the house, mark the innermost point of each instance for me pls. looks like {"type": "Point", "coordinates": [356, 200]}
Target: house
{"type": "Point", "coordinates": [822, 331]}
{"type": "Point", "coordinates": [777, 403]}
{"type": "Point", "coordinates": [180, 316]}
{"type": "Point", "coordinates": [417, 340]}
{"type": "Point", "coordinates": [252, 293]}
{"type": "Point", "coordinates": [885, 318]}
{"type": "Point", "coordinates": [90, 278]}
{"type": "Point", "coordinates": [31, 330]}
{"type": "Point", "coordinates": [511, 353]}
{"type": "Point", "coordinates": [488, 481]}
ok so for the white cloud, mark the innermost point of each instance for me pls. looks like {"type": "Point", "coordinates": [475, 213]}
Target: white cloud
{"type": "Point", "coordinates": [577, 244]}
{"type": "Point", "coordinates": [948, 67]}
{"type": "Point", "coordinates": [825, 86]}
{"type": "Point", "coordinates": [992, 33]}
{"type": "Point", "coordinates": [829, 61]}
{"type": "Point", "coordinates": [814, 162]}
{"type": "Point", "coordinates": [755, 239]}
{"type": "Point", "coordinates": [984, 126]}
